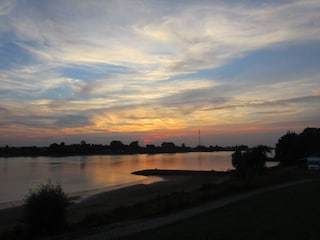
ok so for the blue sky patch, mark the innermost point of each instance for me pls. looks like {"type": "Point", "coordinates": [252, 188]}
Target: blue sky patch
{"type": "Point", "coordinates": [92, 72]}
{"type": "Point", "coordinates": [274, 61]}
{"type": "Point", "coordinates": [12, 55]}
{"type": "Point", "coordinates": [60, 92]}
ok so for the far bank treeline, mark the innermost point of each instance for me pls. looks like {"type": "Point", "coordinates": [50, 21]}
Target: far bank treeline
{"type": "Point", "coordinates": [290, 148]}
{"type": "Point", "coordinates": [115, 147]}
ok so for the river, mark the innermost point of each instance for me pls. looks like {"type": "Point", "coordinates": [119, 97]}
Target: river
{"type": "Point", "coordinates": [96, 173]}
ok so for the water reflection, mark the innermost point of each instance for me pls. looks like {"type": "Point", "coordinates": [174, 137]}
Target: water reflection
{"type": "Point", "coordinates": [4, 166]}
{"type": "Point", "coordinates": [200, 160]}
{"type": "Point", "coordinates": [83, 162]}
{"type": "Point", "coordinates": [80, 173]}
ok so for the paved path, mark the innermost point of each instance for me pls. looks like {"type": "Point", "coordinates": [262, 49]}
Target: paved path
{"type": "Point", "coordinates": [117, 231]}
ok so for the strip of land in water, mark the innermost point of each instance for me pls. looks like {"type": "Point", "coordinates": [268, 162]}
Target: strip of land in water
{"type": "Point", "coordinates": [169, 172]}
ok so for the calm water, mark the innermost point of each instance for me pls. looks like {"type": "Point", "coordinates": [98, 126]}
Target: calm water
{"type": "Point", "coordinates": [87, 173]}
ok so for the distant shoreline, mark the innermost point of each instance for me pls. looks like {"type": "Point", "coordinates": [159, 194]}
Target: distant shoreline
{"type": "Point", "coordinates": [115, 148]}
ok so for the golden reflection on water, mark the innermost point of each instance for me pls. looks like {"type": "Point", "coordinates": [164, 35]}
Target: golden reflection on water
{"type": "Point", "coordinates": [82, 173]}
{"type": "Point", "coordinates": [115, 170]}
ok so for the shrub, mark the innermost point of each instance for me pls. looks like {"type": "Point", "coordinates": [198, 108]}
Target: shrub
{"type": "Point", "coordinates": [45, 209]}
{"type": "Point", "coordinates": [250, 161]}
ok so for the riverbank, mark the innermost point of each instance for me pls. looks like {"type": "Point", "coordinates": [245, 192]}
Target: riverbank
{"type": "Point", "coordinates": [173, 181]}
{"type": "Point", "coordinates": [121, 196]}
{"type": "Point", "coordinates": [83, 202]}
{"type": "Point", "coordinates": [76, 197]}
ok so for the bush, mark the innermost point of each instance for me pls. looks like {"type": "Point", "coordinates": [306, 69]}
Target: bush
{"type": "Point", "coordinates": [45, 209]}
{"type": "Point", "coordinates": [251, 161]}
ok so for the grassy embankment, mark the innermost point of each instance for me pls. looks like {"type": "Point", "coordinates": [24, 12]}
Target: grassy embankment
{"type": "Point", "coordinates": [289, 213]}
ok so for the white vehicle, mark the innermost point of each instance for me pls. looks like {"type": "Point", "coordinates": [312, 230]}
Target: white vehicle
{"type": "Point", "coordinates": [313, 163]}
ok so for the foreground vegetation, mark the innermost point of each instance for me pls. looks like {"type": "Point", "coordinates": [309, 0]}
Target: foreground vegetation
{"type": "Point", "coordinates": [290, 213]}
{"type": "Point", "coordinates": [45, 210]}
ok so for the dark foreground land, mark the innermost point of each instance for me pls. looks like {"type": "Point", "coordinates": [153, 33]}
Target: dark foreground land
{"type": "Point", "coordinates": [289, 213]}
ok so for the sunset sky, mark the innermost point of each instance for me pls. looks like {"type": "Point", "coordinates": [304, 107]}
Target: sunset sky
{"type": "Point", "coordinates": [243, 72]}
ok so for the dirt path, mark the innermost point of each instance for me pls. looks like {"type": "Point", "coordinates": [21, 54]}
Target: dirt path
{"type": "Point", "coordinates": [117, 231]}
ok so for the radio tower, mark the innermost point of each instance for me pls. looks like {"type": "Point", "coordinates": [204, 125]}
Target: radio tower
{"type": "Point", "coordinates": [199, 138]}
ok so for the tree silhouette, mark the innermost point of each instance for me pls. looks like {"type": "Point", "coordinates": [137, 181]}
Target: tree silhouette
{"type": "Point", "coordinates": [168, 147]}
{"type": "Point", "coordinates": [292, 147]}
{"type": "Point", "coordinates": [288, 149]}
{"type": "Point", "coordinates": [134, 147]}
{"type": "Point", "coordinates": [45, 209]}
{"type": "Point", "coordinates": [251, 161]}
{"type": "Point", "coordinates": [117, 147]}
{"type": "Point", "coordinates": [310, 141]}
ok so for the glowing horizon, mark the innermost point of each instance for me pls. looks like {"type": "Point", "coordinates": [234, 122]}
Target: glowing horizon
{"type": "Point", "coordinates": [154, 71]}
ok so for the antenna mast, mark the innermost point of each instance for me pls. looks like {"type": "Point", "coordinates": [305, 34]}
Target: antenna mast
{"type": "Point", "coordinates": [199, 136]}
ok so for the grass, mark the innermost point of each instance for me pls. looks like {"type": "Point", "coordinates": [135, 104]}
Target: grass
{"type": "Point", "coordinates": [290, 213]}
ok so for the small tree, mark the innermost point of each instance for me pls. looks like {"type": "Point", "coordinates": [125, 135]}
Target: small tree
{"type": "Point", "coordinates": [292, 147]}
{"type": "Point", "coordinates": [250, 161]}
{"type": "Point", "coordinates": [288, 149]}
{"type": "Point", "coordinates": [239, 161]}
{"type": "Point", "coordinates": [45, 209]}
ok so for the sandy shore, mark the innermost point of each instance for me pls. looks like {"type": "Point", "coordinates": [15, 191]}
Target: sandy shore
{"type": "Point", "coordinates": [130, 194]}
{"type": "Point", "coordinates": [168, 180]}
{"type": "Point", "coordinates": [141, 192]}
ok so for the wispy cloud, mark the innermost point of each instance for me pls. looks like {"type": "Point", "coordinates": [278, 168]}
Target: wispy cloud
{"type": "Point", "coordinates": [266, 103]}
{"type": "Point", "coordinates": [128, 66]}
